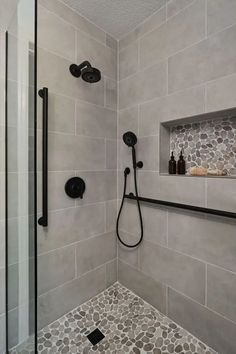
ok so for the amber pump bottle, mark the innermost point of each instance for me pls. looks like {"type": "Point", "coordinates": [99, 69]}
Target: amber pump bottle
{"type": "Point", "coordinates": [181, 170]}
{"type": "Point", "coordinates": [172, 165]}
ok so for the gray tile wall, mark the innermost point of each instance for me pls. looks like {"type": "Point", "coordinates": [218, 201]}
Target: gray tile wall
{"type": "Point", "coordinates": [77, 252]}
{"type": "Point", "coordinates": [181, 63]}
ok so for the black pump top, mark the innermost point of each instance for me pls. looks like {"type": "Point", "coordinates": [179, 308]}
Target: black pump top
{"type": "Point", "coordinates": [181, 157]}
{"type": "Point", "coordinates": [172, 156]}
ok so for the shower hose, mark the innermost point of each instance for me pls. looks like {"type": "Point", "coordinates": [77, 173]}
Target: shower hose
{"type": "Point", "coordinates": [126, 172]}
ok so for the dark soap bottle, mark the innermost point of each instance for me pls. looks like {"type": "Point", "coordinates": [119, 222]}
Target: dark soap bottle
{"type": "Point", "coordinates": [181, 165]}
{"type": "Point", "coordinates": [172, 165]}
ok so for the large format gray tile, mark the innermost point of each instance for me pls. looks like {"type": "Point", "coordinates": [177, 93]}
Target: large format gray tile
{"type": "Point", "coordinates": [111, 272]}
{"type": "Point", "coordinates": [150, 290]}
{"type": "Point", "coordinates": [52, 305]}
{"type": "Point", "coordinates": [221, 93]}
{"type": "Point", "coordinates": [178, 105]}
{"type": "Point", "coordinates": [94, 252]}
{"type": "Point", "coordinates": [99, 55]}
{"type": "Point", "coordinates": [220, 14]}
{"type": "Point", "coordinates": [100, 186]}
{"type": "Point", "coordinates": [110, 93]}
{"type": "Point", "coordinates": [111, 42]}
{"type": "Point", "coordinates": [128, 60]}
{"type": "Point", "coordinates": [94, 121]}
{"type": "Point", "coordinates": [211, 240]}
{"type": "Point", "coordinates": [52, 69]}
{"type": "Point", "coordinates": [111, 154]}
{"type": "Point", "coordinates": [208, 60]}
{"type": "Point", "coordinates": [84, 222]}
{"type": "Point", "coordinates": [179, 32]}
{"type": "Point", "coordinates": [174, 6]}
{"type": "Point", "coordinates": [70, 152]}
{"type": "Point", "coordinates": [56, 268]}
{"type": "Point", "coordinates": [143, 86]}
{"type": "Point", "coordinates": [221, 194]}
{"type": "Point", "coordinates": [111, 214]}
{"type": "Point", "coordinates": [55, 34]}
{"type": "Point", "coordinates": [148, 152]}
{"type": "Point", "coordinates": [214, 330]}
{"type": "Point", "coordinates": [221, 291]}
{"type": "Point", "coordinates": [181, 272]}
{"type": "Point", "coordinates": [128, 121]}
{"type": "Point", "coordinates": [126, 254]}
{"type": "Point", "coordinates": [61, 113]}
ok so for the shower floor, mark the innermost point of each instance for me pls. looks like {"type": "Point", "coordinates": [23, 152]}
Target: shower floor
{"type": "Point", "coordinates": [129, 325]}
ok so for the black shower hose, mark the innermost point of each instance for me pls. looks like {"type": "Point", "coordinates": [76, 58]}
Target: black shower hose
{"type": "Point", "coordinates": [139, 211]}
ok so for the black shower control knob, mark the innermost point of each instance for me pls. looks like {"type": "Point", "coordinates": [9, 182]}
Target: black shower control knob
{"type": "Point", "coordinates": [140, 164]}
{"type": "Point", "coordinates": [75, 187]}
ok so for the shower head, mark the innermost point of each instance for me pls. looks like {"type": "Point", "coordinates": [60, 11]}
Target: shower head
{"type": "Point", "coordinates": [86, 71]}
{"type": "Point", "coordinates": [130, 139]}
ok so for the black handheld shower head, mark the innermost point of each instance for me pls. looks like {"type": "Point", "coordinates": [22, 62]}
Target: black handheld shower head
{"type": "Point", "coordinates": [130, 139]}
{"type": "Point", "coordinates": [86, 71]}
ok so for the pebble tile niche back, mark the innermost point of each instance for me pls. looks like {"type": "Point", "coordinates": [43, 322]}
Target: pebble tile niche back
{"type": "Point", "coordinates": [208, 142]}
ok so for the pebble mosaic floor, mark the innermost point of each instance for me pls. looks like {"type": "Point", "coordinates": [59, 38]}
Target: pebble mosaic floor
{"type": "Point", "coordinates": [129, 324]}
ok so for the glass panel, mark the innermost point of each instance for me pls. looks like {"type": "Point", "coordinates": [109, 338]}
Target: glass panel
{"type": "Point", "coordinates": [21, 231]}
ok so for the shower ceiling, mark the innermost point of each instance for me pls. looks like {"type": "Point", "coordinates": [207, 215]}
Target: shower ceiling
{"type": "Point", "coordinates": [116, 17]}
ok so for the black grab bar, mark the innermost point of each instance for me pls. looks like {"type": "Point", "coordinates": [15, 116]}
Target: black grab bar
{"type": "Point", "coordinates": [217, 212]}
{"type": "Point", "coordinates": [43, 220]}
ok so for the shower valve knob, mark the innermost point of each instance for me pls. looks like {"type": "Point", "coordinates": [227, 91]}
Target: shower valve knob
{"type": "Point", "coordinates": [140, 164]}
{"type": "Point", "coordinates": [75, 187]}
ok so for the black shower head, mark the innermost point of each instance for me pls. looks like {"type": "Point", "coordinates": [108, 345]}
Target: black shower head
{"type": "Point", "coordinates": [130, 139]}
{"type": "Point", "coordinates": [86, 71]}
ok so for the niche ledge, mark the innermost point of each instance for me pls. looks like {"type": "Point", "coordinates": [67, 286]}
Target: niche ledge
{"type": "Point", "coordinates": [208, 140]}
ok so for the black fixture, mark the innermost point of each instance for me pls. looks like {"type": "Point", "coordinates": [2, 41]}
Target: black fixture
{"type": "Point", "coordinates": [96, 336]}
{"type": "Point", "coordinates": [130, 140]}
{"type": "Point", "coordinates": [181, 169]}
{"type": "Point", "coordinates": [43, 220]}
{"type": "Point", "coordinates": [172, 164]}
{"type": "Point", "coordinates": [86, 71]}
{"type": "Point", "coordinates": [75, 187]}
{"type": "Point", "coordinates": [215, 212]}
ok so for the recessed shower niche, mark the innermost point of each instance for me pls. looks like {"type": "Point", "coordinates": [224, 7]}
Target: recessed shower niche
{"type": "Point", "coordinates": [208, 143]}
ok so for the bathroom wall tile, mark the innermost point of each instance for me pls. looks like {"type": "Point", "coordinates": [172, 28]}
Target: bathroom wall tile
{"type": "Point", "coordinates": [52, 305]}
{"type": "Point", "coordinates": [100, 186]}
{"type": "Point", "coordinates": [154, 222]}
{"type": "Point", "coordinates": [110, 93]}
{"type": "Point", "coordinates": [111, 42]}
{"type": "Point", "coordinates": [186, 191]}
{"type": "Point", "coordinates": [111, 214]}
{"type": "Point", "coordinates": [128, 39]}
{"type": "Point", "coordinates": [208, 60]}
{"type": "Point", "coordinates": [209, 327]}
{"type": "Point", "coordinates": [55, 34]}
{"type": "Point", "coordinates": [61, 111]}
{"type": "Point", "coordinates": [221, 93]}
{"type": "Point", "coordinates": [124, 156]}
{"type": "Point", "coordinates": [53, 68]}
{"type": "Point", "coordinates": [220, 14]}
{"type": "Point", "coordinates": [94, 252]}
{"type": "Point", "coordinates": [174, 6]}
{"type": "Point", "coordinates": [111, 272]}
{"type": "Point", "coordinates": [99, 55]}
{"type": "Point", "coordinates": [2, 334]}
{"type": "Point", "coordinates": [56, 268]}
{"type": "Point", "coordinates": [181, 272]}
{"type": "Point", "coordinates": [178, 105]}
{"type": "Point", "coordinates": [84, 222]}
{"type": "Point", "coordinates": [57, 198]}
{"type": "Point", "coordinates": [94, 121]}
{"type": "Point", "coordinates": [150, 290]}
{"type": "Point", "coordinates": [221, 291]}
{"type": "Point", "coordinates": [2, 244]}
{"type": "Point", "coordinates": [211, 240]}
{"type": "Point", "coordinates": [2, 291]}
{"type": "Point", "coordinates": [74, 18]}
{"type": "Point", "coordinates": [225, 197]}
{"type": "Point", "coordinates": [152, 22]}
{"type": "Point", "coordinates": [111, 154]}
{"type": "Point", "coordinates": [84, 153]}
{"type": "Point", "coordinates": [172, 36]}
{"type": "Point", "coordinates": [128, 60]}
{"type": "Point", "coordinates": [148, 152]}
{"type": "Point", "coordinates": [145, 85]}
{"type": "Point", "coordinates": [128, 121]}
{"type": "Point", "coordinates": [125, 254]}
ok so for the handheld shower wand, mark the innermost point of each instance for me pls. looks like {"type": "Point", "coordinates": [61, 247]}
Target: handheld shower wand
{"type": "Point", "coordinates": [130, 140]}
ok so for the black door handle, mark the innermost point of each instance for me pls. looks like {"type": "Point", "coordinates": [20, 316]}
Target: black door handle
{"type": "Point", "coordinates": [43, 220]}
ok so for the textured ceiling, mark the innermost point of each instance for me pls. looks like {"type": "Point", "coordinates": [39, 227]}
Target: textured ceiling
{"type": "Point", "coordinates": [116, 17]}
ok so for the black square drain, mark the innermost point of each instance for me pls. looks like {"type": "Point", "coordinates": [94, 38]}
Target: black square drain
{"type": "Point", "coordinates": [95, 337]}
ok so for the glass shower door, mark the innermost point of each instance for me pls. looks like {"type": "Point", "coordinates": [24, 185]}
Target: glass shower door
{"type": "Point", "coordinates": [21, 278]}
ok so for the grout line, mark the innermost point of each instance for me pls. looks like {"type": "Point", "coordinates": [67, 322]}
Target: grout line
{"type": "Point", "coordinates": [206, 288]}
